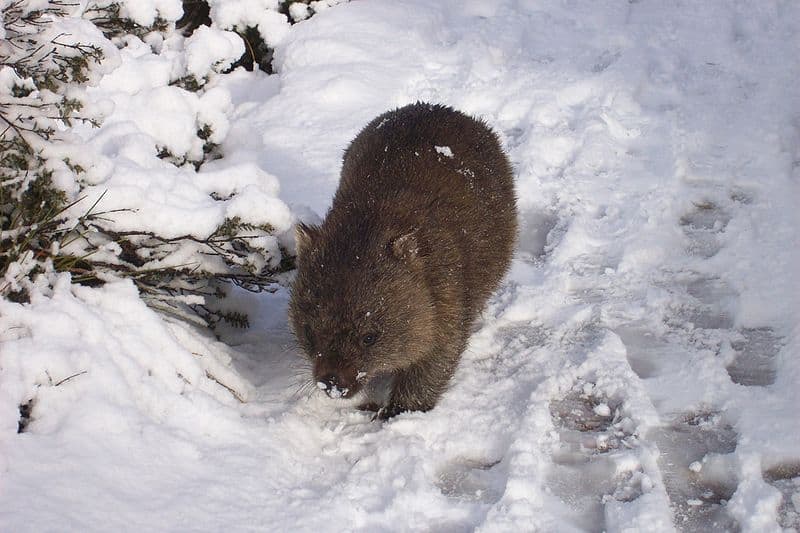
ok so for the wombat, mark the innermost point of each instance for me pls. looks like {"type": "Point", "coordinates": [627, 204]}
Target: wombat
{"type": "Point", "coordinates": [421, 231]}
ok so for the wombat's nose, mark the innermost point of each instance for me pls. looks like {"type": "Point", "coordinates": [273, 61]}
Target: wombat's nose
{"type": "Point", "coordinates": [329, 383]}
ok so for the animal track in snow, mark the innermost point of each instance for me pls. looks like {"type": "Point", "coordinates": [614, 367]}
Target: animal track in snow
{"type": "Point", "coordinates": [713, 303]}
{"type": "Point", "coordinates": [647, 355]}
{"type": "Point", "coordinates": [702, 227]}
{"type": "Point", "coordinates": [472, 481]}
{"type": "Point", "coordinates": [535, 232]}
{"type": "Point", "coordinates": [605, 60]}
{"type": "Point", "coordinates": [514, 137]}
{"type": "Point", "coordinates": [754, 361]}
{"type": "Point", "coordinates": [581, 411]}
{"type": "Point", "coordinates": [523, 335]}
{"type": "Point", "coordinates": [698, 493]}
{"type": "Point", "coordinates": [786, 478]}
{"type": "Point", "coordinates": [592, 462]}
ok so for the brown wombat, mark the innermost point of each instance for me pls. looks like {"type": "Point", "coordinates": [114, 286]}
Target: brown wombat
{"type": "Point", "coordinates": [421, 231]}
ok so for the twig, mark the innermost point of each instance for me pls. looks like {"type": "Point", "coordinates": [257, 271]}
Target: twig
{"type": "Point", "coordinates": [70, 377]}
{"type": "Point", "coordinates": [233, 392]}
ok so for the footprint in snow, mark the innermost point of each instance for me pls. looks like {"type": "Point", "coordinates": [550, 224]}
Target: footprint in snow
{"type": "Point", "coordinates": [605, 60]}
{"type": "Point", "coordinates": [702, 226]}
{"type": "Point", "coordinates": [755, 351]}
{"type": "Point", "coordinates": [595, 438]}
{"type": "Point", "coordinates": [698, 475]}
{"type": "Point", "coordinates": [648, 355]}
{"type": "Point", "coordinates": [539, 230]}
{"type": "Point", "coordinates": [786, 478]}
{"type": "Point", "coordinates": [472, 480]}
{"type": "Point", "coordinates": [712, 303]}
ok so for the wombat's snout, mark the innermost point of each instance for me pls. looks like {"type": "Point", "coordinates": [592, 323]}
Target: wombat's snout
{"type": "Point", "coordinates": [334, 386]}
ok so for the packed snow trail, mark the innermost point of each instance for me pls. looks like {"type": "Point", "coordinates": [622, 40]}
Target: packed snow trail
{"type": "Point", "coordinates": [637, 371]}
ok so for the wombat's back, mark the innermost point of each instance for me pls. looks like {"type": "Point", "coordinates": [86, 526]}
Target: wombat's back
{"type": "Point", "coordinates": [437, 170]}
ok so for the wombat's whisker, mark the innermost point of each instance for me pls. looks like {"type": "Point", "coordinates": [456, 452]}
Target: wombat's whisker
{"type": "Point", "coordinates": [304, 390]}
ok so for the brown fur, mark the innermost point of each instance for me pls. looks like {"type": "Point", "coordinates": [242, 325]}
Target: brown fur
{"type": "Point", "coordinates": [413, 245]}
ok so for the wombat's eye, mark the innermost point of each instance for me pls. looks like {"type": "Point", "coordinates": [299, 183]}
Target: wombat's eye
{"type": "Point", "coordinates": [369, 339]}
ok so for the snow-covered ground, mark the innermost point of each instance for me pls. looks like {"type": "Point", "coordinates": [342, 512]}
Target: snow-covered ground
{"type": "Point", "coordinates": [638, 371]}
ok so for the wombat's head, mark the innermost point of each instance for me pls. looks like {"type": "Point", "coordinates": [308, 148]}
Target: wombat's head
{"type": "Point", "coordinates": [360, 307]}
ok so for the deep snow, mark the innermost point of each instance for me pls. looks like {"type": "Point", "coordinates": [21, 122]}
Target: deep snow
{"type": "Point", "coordinates": [637, 371]}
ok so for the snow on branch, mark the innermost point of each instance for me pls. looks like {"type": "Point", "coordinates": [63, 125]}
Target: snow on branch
{"type": "Point", "coordinates": [59, 214]}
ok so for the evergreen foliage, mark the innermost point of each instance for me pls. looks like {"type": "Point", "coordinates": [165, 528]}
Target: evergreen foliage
{"type": "Point", "coordinates": [257, 53]}
{"type": "Point", "coordinates": [41, 77]}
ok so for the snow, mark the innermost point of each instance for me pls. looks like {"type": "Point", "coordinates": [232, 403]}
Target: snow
{"type": "Point", "coordinates": [299, 11]}
{"type": "Point", "coordinates": [444, 150]}
{"type": "Point", "coordinates": [9, 79]}
{"type": "Point", "coordinates": [209, 48]}
{"type": "Point", "coordinates": [145, 12]}
{"type": "Point", "coordinates": [260, 14]}
{"type": "Point", "coordinates": [602, 409]}
{"type": "Point", "coordinates": [637, 370]}
{"type": "Point", "coordinates": [150, 113]}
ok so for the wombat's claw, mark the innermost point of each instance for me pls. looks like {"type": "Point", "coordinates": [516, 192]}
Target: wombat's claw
{"type": "Point", "coordinates": [370, 406]}
{"type": "Point", "coordinates": [388, 411]}
{"type": "Point", "coordinates": [384, 413]}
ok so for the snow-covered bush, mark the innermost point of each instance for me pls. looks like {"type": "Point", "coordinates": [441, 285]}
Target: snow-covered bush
{"type": "Point", "coordinates": [80, 183]}
{"type": "Point", "coordinates": [261, 24]}
{"type": "Point", "coordinates": [40, 67]}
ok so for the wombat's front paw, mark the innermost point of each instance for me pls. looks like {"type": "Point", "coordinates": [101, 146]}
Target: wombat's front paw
{"type": "Point", "coordinates": [369, 406]}
{"type": "Point", "coordinates": [388, 411]}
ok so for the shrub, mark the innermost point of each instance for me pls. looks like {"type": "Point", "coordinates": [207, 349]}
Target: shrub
{"type": "Point", "coordinates": [46, 226]}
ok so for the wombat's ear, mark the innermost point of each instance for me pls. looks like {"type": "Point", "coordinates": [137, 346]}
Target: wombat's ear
{"type": "Point", "coordinates": [405, 247]}
{"type": "Point", "coordinates": [304, 236]}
